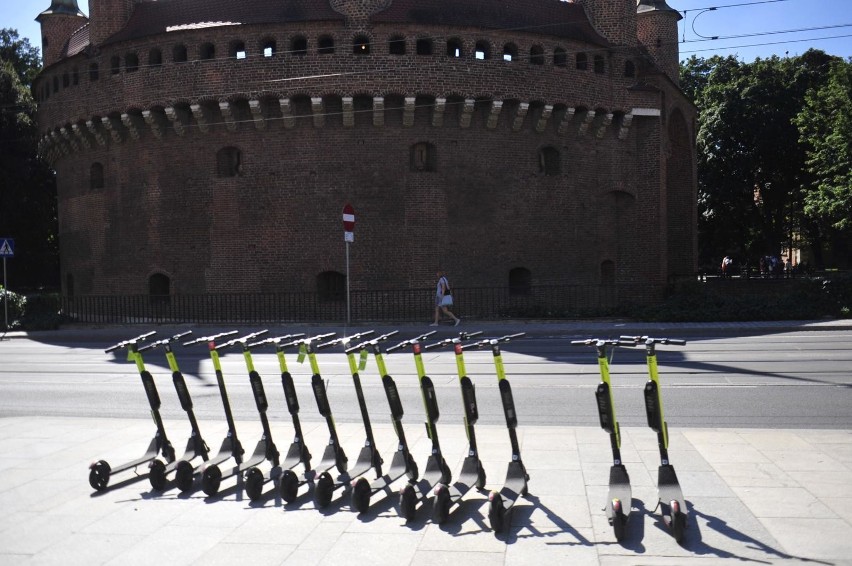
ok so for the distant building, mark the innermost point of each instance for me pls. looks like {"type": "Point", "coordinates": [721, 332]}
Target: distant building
{"type": "Point", "coordinates": [209, 147]}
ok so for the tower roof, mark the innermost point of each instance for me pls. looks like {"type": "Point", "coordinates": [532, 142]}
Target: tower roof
{"type": "Point", "coordinates": [62, 7]}
{"type": "Point", "coordinates": [645, 6]}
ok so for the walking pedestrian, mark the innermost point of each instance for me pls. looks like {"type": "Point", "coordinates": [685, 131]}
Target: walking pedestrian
{"type": "Point", "coordinates": [443, 300]}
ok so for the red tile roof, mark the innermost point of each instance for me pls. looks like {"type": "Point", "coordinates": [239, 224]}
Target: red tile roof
{"type": "Point", "coordinates": [153, 17]}
{"type": "Point", "coordinates": [545, 17]}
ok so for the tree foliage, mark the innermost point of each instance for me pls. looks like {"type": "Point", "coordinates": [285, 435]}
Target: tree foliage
{"type": "Point", "coordinates": [825, 127]}
{"type": "Point", "coordinates": [751, 165]}
{"type": "Point", "coordinates": [28, 207]}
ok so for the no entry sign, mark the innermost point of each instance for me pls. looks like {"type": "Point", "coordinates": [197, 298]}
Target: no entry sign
{"type": "Point", "coordinates": [348, 222]}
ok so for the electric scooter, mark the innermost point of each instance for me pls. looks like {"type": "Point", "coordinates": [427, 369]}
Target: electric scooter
{"type": "Point", "coordinates": [100, 472]}
{"type": "Point", "coordinates": [671, 502]}
{"type": "Point", "coordinates": [402, 463]}
{"type": "Point", "coordinates": [472, 472]}
{"type": "Point", "coordinates": [298, 453]}
{"type": "Point", "coordinates": [265, 449]}
{"type": "Point", "coordinates": [333, 457]}
{"type": "Point", "coordinates": [195, 446]}
{"type": "Point", "coordinates": [500, 503]}
{"type": "Point", "coordinates": [369, 457]}
{"type": "Point", "coordinates": [437, 471]}
{"type": "Point", "coordinates": [620, 492]}
{"type": "Point", "coordinates": [211, 474]}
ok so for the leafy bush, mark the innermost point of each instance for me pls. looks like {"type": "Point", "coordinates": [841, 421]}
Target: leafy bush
{"type": "Point", "coordinates": [15, 304]}
{"type": "Point", "coordinates": [795, 300]}
{"type": "Point", "coordinates": [41, 313]}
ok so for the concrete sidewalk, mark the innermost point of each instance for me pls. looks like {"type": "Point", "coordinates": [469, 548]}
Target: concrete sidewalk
{"type": "Point", "coordinates": [766, 496]}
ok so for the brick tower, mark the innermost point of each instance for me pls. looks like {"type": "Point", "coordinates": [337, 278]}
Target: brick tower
{"type": "Point", "coordinates": [58, 23]}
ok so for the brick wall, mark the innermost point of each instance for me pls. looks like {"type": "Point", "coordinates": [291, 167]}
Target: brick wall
{"type": "Point", "coordinates": [312, 144]}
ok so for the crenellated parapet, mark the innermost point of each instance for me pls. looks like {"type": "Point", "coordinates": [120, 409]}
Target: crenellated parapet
{"type": "Point", "coordinates": [204, 116]}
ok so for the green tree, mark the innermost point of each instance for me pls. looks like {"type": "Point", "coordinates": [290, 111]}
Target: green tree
{"type": "Point", "coordinates": [28, 206]}
{"type": "Point", "coordinates": [750, 164]}
{"type": "Point", "coordinates": [825, 127]}
{"type": "Point", "coordinates": [24, 57]}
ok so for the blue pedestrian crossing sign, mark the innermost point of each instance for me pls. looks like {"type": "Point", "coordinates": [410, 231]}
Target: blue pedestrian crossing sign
{"type": "Point", "coordinates": [7, 247]}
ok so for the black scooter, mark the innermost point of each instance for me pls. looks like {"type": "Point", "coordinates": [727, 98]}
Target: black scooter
{"type": "Point", "coordinates": [101, 472]}
{"type": "Point", "coordinates": [500, 503]}
{"type": "Point", "coordinates": [369, 457]}
{"type": "Point", "coordinates": [211, 474]}
{"type": "Point", "coordinates": [472, 473]}
{"type": "Point", "coordinates": [333, 456]}
{"type": "Point", "coordinates": [620, 492]}
{"type": "Point", "coordinates": [265, 450]}
{"type": "Point", "coordinates": [437, 471]}
{"type": "Point", "coordinates": [402, 463]}
{"type": "Point", "coordinates": [298, 453]}
{"type": "Point", "coordinates": [671, 502]}
{"type": "Point", "coordinates": [195, 446]}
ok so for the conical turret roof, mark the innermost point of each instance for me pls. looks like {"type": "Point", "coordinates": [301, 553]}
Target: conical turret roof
{"type": "Point", "coordinates": [62, 7]}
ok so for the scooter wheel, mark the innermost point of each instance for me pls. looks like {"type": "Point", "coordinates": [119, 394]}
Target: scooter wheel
{"type": "Point", "coordinates": [99, 475]}
{"type": "Point", "coordinates": [157, 474]}
{"type": "Point", "coordinates": [441, 506]}
{"type": "Point", "coordinates": [619, 520]}
{"type": "Point", "coordinates": [480, 477]}
{"type": "Point", "coordinates": [495, 512]}
{"type": "Point", "coordinates": [210, 480]}
{"type": "Point", "coordinates": [254, 484]}
{"type": "Point", "coordinates": [288, 486]}
{"type": "Point", "coordinates": [678, 522]}
{"type": "Point", "coordinates": [324, 490]}
{"type": "Point", "coordinates": [408, 502]}
{"type": "Point", "coordinates": [361, 496]}
{"type": "Point", "coordinates": [184, 475]}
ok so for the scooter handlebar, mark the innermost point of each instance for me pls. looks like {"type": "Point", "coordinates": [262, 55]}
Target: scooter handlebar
{"type": "Point", "coordinates": [241, 339]}
{"type": "Point", "coordinates": [491, 341]}
{"type": "Point", "coordinates": [344, 340]}
{"type": "Point", "coordinates": [164, 341]}
{"type": "Point", "coordinates": [275, 340]}
{"type": "Point", "coordinates": [411, 341]}
{"type": "Point", "coordinates": [460, 338]}
{"type": "Point", "coordinates": [125, 343]}
{"type": "Point", "coordinates": [372, 342]}
{"type": "Point", "coordinates": [212, 338]}
{"type": "Point", "coordinates": [637, 340]}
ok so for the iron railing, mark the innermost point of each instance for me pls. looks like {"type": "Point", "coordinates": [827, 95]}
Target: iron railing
{"type": "Point", "coordinates": [401, 305]}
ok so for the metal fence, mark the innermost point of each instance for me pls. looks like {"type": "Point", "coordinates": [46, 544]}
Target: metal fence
{"type": "Point", "coordinates": [401, 305]}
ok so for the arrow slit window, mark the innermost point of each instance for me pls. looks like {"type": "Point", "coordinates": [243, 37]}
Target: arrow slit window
{"type": "Point", "coordinates": [96, 176]}
{"type": "Point", "coordinates": [548, 161]}
{"type": "Point", "coordinates": [423, 157]}
{"type": "Point", "coordinates": [228, 162]}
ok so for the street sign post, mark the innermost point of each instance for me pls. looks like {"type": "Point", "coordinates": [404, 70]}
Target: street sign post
{"type": "Point", "coordinates": [7, 249]}
{"type": "Point", "coordinates": [348, 237]}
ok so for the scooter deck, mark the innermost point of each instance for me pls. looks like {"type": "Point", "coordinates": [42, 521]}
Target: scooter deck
{"type": "Point", "coordinates": [515, 485]}
{"type": "Point", "coordinates": [619, 488]}
{"type": "Point", "coordinates": [432, 476]}
{"type": "Point", "coordinates": [329, 460]}
{"type": "Point", "coordinates": [364, 463]}
{"type": "Point", "coordinates": [225, 453]}
{"type": "Point", "coordinates": [398, 469]}
{"type": "Point", "coordinates": [467, 480]}
{"type": "Point", "coordinates": [152, 452]}
{"type": "Point", "coordinates": [297, 454]}
{"type": "Point", "coordinates": [669, 489]}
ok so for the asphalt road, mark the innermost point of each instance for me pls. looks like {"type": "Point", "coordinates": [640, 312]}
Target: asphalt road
{"type": "Point", "coordinates": [720, 378]}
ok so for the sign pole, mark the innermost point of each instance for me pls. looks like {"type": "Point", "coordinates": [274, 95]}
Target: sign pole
{"type": "Point", "coordinates": [348, 237]}
{"type": "Point", "coordinates": [348, 303]}
{"type": "Point", "coordinates": [5, 298]}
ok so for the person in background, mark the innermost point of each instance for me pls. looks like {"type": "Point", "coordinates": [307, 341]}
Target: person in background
{"type": "Point", "coordinates": [443, 300]}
